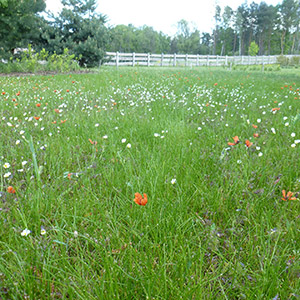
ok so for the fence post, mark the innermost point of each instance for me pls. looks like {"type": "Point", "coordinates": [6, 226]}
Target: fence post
{"type": "Point", "coordinates": [197, 60]}
{"type": "Point", "coordinates": [263, 64]}
{"type": "Point", "coordinates": [226, 60]}
{"type": "Point", "coordinates": [117, 59]}
{"type": "Point", "coordinates": [148, 60]}
{"type": "Point", "coordinates": [133, 59]}
{"type": "Point", "coordinates": [217, 61]}
{"type": "Point", "coordinates": [242, 62]}
{"type": "Point", "coordinates": [207, 61]}
{"type": "Point", "coordinates": [186, 60]}
{"type": "Point", "coordinates": [174, 60]}
{"type": "Point", "coordinates": [161, 60]}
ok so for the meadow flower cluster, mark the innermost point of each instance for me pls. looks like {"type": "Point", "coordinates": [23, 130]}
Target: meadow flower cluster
{"type": "Point", "coordinates": [156, 183]}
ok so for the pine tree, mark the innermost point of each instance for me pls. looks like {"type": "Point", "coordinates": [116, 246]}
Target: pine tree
{"type": "Point", "coordinates": [80, 29]}
{"type": "Point", "coordinates": [18, 23]}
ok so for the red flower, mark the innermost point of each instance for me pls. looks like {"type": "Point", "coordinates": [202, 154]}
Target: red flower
{"type": "Point", "coordinates": [248, 143]}
{"type": "Point", "coordinates": [256, 135]}
{"type": "Point", "coordinates": [38, 104]}
{"type": "Point", "coordinates": [275, 108]}
{"type": "Point", "coordinates": [236, 141]}
{"type": "Point", "coordinates": [11, 190]}
{"type": "Point", "coordinates": [140, 200]}
{"type": "Point", "coordinates": [287, 196]}
{"type": "Point", "coordinates": [37, 118]}
{"type": "Point", "coordinates": [254, 126]}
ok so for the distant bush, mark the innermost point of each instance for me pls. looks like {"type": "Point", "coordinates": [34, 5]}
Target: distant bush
{"type": "Point", "coordinates": [29, 61]}
{"type": "Point", "coordinates": [285, 61]}
{"type": "Point", "coordinates": [267, 67]}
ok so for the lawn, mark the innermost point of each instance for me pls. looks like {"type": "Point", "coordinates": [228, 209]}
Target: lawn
{"type": "Point", "coordinates": [215, 154]}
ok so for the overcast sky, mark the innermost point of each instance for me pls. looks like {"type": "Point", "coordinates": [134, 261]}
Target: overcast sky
{"type": "Point", "coordinates": [162, 15]}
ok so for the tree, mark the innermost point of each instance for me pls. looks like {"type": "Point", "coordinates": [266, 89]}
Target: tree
{"type": "Point", "coordinates": [289, 20]}
{"type": "Point", "coordinates": [266, 19]}
{"type": "Point", "coordinates": [226, 33]}
{"type": "Point", "coordinates": [80, 29]}
{"type": "Point", "coordinates": [217, 18]}
{"type": "Point", "coordinates": [186, 40]}
{"type": "Point", "coordinates": [19, 21]}
{"type": "Point", "coordinates": [242, 26]}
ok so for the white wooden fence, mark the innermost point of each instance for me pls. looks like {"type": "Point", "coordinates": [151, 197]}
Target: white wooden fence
{"type": "Point", "coordinates": [147, 59]}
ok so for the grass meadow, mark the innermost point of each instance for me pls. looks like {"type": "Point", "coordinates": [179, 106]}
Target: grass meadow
{"type": "Point", "coordinates": [215, 152]}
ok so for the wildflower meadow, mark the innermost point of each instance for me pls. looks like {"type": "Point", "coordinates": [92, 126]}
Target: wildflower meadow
{"type": "Point", "coordinates": [150, 183]}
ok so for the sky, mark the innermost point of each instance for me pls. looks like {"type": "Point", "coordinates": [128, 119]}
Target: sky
{"type": "Point", "coordinates": [162, 15]}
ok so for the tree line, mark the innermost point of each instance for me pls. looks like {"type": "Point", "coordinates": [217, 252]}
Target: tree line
{"type": "Point", "coordinates": [255, 29]}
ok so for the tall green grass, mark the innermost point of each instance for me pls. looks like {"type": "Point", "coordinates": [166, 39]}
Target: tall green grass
{"type": "Point", "coordinates": [215, 225]}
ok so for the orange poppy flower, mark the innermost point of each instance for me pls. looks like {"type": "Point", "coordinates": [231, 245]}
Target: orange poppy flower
{"type": "Point", "coordinates": [93, 142]}
{"type": "Point", "coordinates": [287, 196]}
{"type": "Point", "coordinates": [138, 199]}
{"type": "Point", "coordinates": [38, 104]}
{"type": "Point", "coordinates": [254, 126]}
{"type": "Point", "coordinates": [275, 108]}
{"type": "Point", "coordinates": [56, 110]}
{"type": "Point", "coordinates": [63, 121]}
{"type": "Point", "coordinates": [255, 134]}
{"type": "Point", "coordinates": [37, 118]}
{"type": "Point", "coordinates": [11, 190]}
{"type": "Point", "coordinates": [248, 143]}
{"type": "Point", "coordinates": [236, 141]}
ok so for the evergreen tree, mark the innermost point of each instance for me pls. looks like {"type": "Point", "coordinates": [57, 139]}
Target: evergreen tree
{"type": "Point", "coordinates": [19, 23]}
{"type": "Point", "coordinates": [78, 28]}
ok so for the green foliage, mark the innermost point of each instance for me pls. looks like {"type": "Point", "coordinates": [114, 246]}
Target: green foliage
{"type": "Point", "coordinates": [32, 62]}
{"type": "Point", "coordinates": [253, 49]}
{"type": "Point", "coordinates": [285, 61]}
{"type": "Point", "coordinates": [19, 24]}
{"type": "Point", "coordinates": [270, 68]}
{"type": "Point", "coordinates": [78, 28]}
{"type": "Point", "coordinates": [141, 40]}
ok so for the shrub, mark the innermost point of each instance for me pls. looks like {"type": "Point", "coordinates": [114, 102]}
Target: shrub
{"type": "Point", "coordinates": [29, 61]}
{"type": "Point", "coordinates": [282, 60]}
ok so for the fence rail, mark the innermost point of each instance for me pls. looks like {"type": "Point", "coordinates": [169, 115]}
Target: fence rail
{"type": "Point", "coordinates": [188, 60]}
